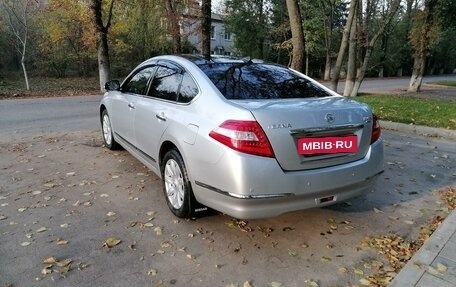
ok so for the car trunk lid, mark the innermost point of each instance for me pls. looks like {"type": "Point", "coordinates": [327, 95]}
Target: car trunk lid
{"type": "Point", "coordinates": [314, 133]}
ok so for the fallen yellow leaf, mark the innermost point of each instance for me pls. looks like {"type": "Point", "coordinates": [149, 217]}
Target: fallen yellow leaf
{"type": "Point", "coordinates": [64, 263]}
{"type": "Point", "coordinates": [62, 242]}
{"type": "Point", "coordinates": [50, 260]}
{"type": "Point", "coordinates": [158, 282]}
{"type": "Point", "coordinates": [441, 267]}
{"type": "Point", "coordinates": [158, 230]}
{"type": "Point", "coordinates": [111, 242]}
{"type": "Point", "coordinates": [46, 270]}
{"type": "Point", "coordinates": [359, 272]}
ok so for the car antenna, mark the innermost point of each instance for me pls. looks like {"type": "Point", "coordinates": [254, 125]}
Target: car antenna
{"type": "Point", "coordinates": [209, 61]}
{"type": "Point", "coordinates": [249, 61]}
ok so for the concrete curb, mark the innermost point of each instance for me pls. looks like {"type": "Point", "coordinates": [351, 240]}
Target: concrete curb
{"type": "Point", "coordinates": [415, 272]}
{"type": "Point", "coordinates": [420, 130]}
{"type": "Point", "coordinates": [438, 86]}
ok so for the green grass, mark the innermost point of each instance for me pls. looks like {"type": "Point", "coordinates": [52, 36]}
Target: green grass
{"type": "Point", "coordinates": [412, 110]}
{"type": "Point", "coordinates": [445, 83]}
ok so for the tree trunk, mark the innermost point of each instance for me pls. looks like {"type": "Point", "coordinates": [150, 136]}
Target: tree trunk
{"type": "Point", "coordinates": [361, 72]}
{"type": "Point", "coordinates": [359, 79]}
{"type": "Point", "coordinates": [261, 39]}
{"type": "Point", "coordinates": [104, 66]}
{"type": "Point", "coordinates": [24, 70]}
{"type": "Point", "coordinates": [351, 64]}
{"type": "Point", "coordinates": [383, 50]}
{"type": "Point", "coordinates": [206, 28]}
{"type": "Point", "coordinates": [343, 46]}
{"type": "Point", "coordinates": [297, 35]}
{"type": "Point", "coordinates": [328, 29]}
{"type": "Point", "coordinates": [307, 63]}
{"type": "Point", "coordinates": [174, 29]}
{"type": "Point", "coordinates": [19, 27]}
{"type": "Point", "coordinates": [417, 74]}
{"type": "Point", "coordinates": [327, 75]}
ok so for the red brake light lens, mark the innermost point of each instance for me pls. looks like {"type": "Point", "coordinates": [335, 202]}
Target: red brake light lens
{"type": "Point", "coordinates": [244, 136]}
{"type": "Point", "coordinates": [376, 131]}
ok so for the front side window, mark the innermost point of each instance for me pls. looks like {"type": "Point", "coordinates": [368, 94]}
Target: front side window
{"type": "Point", "coordinates": [138, 83]}
{"type": "Point", "coordinates": [165, 84]}
{"type": "Point", "coordinates": [260, 81]}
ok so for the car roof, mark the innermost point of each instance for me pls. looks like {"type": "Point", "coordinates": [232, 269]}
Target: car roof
{"type": "Point", "coordinates": [201, 60]}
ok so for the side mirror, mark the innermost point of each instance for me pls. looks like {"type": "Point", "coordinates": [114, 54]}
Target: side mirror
{"type": "Point", "coordinates": [113, 85]}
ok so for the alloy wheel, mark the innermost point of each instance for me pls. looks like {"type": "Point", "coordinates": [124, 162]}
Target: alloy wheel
{"type": "Point", "coordinates": [174, 184]}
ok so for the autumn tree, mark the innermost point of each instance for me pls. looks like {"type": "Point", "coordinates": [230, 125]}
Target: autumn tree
{"type": "Point", "coordinates": [248, 21]}
{"type": "Point", "coordinates": [297, 35]}
{"type": "Point", "coordinates": [172, 8]}
{"type": "Point", "coordinates": [137, 33]}
{"type": "Point", "coordinates": [335, 73]}
{"type": "Point", "coordinates": [443, 53]}
{"type": "Point", "coordinates": [280, 34]}
{"type": "Point", "coordinates": [17, 14]}
{"type": "Point", "coordinates": [423, 36]}
{"type": "Point", "coordinates": [369, 41]}
{"type": "Point", "coordinates": [331, 12]}
{"type": "Point", "coordinates": [67, 39]}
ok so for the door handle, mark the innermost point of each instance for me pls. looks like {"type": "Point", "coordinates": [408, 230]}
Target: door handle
{"type": "Point", "coordinates": [161, 117]}
{"type": "Point", "coordinates": [131, 106]}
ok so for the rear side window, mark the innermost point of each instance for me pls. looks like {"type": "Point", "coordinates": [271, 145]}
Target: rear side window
{"type": "Point", "coordinates": [260, 81]}
{"type": "Point", "coordinates": [138, 83]}
{"type": "Point", "coordinates": [165, 84]}
{"type": "Point", "coordinates": [188, 89]}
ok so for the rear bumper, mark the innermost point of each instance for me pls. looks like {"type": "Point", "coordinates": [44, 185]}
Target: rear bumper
{"type": "Point", "coordinates": [249, 187]}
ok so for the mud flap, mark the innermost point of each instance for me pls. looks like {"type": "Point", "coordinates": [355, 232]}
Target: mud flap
{"type": "Point", "coordinates": [199, 210]}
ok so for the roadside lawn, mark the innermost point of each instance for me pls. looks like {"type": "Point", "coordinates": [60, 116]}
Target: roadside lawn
{"type": "Point", "coordinates": [14, 87]}
{"type": "Point", "coordinates": [445, 83]}
{"type": "Point", "coordinates": [413, 110]}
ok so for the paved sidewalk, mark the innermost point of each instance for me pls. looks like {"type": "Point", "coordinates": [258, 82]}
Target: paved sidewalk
{"type": "Point", "coordinates": [434, 265]}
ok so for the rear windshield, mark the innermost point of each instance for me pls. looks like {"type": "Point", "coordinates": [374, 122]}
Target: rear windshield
{"type": "Point", "coordinates": [260, 81]}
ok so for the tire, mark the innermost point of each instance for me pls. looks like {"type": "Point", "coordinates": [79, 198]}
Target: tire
{"type": "Point", "coordinates": [176, 185]}
{"type": "Point", "coordinates": [108, 135]}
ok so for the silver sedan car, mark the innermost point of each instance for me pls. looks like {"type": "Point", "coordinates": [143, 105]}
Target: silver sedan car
{"type": "Point", "coordinates": [244, 137]}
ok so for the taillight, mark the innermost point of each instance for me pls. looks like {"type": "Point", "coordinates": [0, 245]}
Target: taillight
{"type": "Point", "coordinates": [376, 131]}
{"type": "Point", "coordinates": [244, 136]}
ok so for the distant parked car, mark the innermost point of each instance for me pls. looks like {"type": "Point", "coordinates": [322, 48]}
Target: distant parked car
{"type": "Point", "coordinates": [247, 138]}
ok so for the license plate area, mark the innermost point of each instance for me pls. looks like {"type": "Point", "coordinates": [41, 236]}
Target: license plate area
{"type": "Point", "coordinates": [310, 146]}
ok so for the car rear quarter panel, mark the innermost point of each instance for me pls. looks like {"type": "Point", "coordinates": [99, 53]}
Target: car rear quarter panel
{"type": "Point", "coordinates": [191, 124]}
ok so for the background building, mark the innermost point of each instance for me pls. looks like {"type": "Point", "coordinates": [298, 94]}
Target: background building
{"type": "Point", "coordinates": [221, 38]}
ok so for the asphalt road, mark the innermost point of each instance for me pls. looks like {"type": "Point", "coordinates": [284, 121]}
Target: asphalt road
{"type": "Point", "coordinates": [48, 115]}
{"type": "Point", "coordinates": [63, 195]}
{"type": "Point", "coordinates": [377, 85]}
